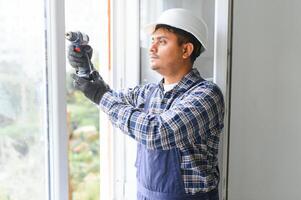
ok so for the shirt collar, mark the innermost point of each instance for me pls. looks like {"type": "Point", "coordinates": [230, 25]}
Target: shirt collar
{"type": "Point", "coordinates": [186, 82]}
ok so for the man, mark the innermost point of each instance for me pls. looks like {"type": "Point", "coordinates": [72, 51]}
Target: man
{"type": "Point", "coordinates": [176, 123]}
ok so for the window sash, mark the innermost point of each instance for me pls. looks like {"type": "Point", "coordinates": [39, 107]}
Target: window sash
{"type": "Point", "coordinates": [57, 127]}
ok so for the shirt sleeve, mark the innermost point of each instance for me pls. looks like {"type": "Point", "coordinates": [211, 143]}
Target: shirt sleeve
{"type": "Point", "coordinates": [187, 121]}
{"type": "Point", "coordinates": [130, 96]}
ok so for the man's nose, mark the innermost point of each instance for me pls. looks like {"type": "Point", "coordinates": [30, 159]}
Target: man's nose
{"type": "Point", "coordinates": [153, 47]}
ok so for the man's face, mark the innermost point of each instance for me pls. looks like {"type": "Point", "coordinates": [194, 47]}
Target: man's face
{"type": "Point", "coordinates": [166, 55]}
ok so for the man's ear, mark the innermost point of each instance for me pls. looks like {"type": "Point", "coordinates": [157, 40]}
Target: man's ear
{"type": "Point", "coordinates": [187, 50]}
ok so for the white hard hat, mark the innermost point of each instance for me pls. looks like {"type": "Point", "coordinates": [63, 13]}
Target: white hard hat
{"type": "Point", "coordinates": [182, 19]}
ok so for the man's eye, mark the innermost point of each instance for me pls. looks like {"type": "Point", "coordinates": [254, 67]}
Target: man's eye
{"type": "Point", "coordinates": [162, 42]}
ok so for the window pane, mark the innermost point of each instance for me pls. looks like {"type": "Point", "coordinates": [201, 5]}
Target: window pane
{"type": "Point", "coordinates": [23, 123]}
{"type": "Point", "coordinates": [83, 120]}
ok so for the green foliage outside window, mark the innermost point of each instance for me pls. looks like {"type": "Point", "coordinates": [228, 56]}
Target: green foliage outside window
{"type": "Point", "coordinates": [83, 145]}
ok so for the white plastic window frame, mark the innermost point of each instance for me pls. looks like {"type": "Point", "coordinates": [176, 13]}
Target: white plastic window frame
{"type": "Point", "coordinates": [221, 76]}
{"type": "Point", "coordinates": [125, 73]}
{"type": "Point", "coordinates": [113, 172]}
{"type": "Point", "coordinates": [56, 105]}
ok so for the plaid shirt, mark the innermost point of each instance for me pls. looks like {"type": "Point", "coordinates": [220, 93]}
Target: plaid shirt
{"type": "Point", "coordinates": [189, 117]}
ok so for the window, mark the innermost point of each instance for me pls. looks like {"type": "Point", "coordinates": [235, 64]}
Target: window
{"type": "Point", "coordinates": [23, 113]}
{"type": "Point", "coordinates": [33, 133]}
{"type": "Point", "coordinates": [83, 116]}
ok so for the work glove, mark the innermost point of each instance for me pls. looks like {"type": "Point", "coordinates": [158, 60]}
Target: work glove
{"type": "Point", "coordinates": [79, 60]}
{"type": "Point", "coordinates": [93, 89]}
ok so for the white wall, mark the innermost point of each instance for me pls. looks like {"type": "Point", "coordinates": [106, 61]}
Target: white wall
{"type": "Point", "coordinates": [265, 158]}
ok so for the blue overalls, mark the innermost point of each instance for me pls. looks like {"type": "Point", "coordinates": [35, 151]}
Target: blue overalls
{"type": "Point", "coordinates": [159, 175]}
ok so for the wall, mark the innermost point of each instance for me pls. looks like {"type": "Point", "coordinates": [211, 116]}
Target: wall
{"type": "Point", "coordinates": [264, 156]}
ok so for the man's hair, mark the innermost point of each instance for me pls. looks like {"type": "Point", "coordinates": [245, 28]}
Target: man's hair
{"type": "Point", "coordinates": [184, 37]}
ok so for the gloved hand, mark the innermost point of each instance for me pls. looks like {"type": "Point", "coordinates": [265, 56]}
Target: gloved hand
{"type": "Point", "coordinates": [93, 89]}
{"type": "Point", "coordinates": [79, 60]}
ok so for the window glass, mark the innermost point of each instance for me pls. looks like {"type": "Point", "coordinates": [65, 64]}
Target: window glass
{"type": "Point", "coordinates": [151, 10]}
{"type": "Point", "coordinates": [23, 113]}
{"type": "Point", "coordinates": [83, 116]}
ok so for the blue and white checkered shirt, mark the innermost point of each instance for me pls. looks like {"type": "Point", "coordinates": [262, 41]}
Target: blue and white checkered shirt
{"type": "Point", "coordinates": [188, 117]}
